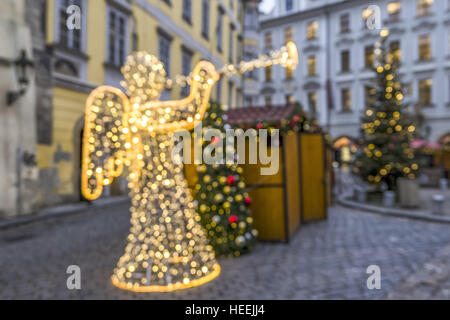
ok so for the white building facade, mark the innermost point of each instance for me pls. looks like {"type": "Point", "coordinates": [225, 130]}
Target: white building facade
{"type": "Point", "coordinates": [335, 41]}
{"type": "Point", "coordinates": [250, 83]}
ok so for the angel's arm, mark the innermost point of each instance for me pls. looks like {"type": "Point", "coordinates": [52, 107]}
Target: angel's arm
{"type": "Point", "coordinates": [182, 114]}
{"type": "Point", "coordinates": [105, 139]}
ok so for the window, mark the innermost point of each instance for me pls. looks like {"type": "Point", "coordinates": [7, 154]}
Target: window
{"type": "Point", "coordinates": [289, 99]}
{"type": "Point", "coordinates": [289, 5]}
{"type": "Point", "coordinates": [345, 23]}
{"type": "Point", "coordinates": [268, 101]}
{"type": "Point", "coordinates": [367, 14]}
{"type": "Point", "coordinates": [369, 96]}
{"type": "Point", "coordinates": [312, 102]}
{"type": "Point", "coordinates": [69, 38]}
{"type": "Point", "coordinates": [289, 73]}
{"type": "Point", "coordinates": [424, 7]}
{"type": "Point", "coordinates": [424, 48]}
{"type": "Point", "coordinates": [230, 94]}
{"type": "Point", "coordinates": [425, 92]}
{"type": "Point", "coordinates": [268, 73]}
{"type": "Point", "coordinates": [345, 61]}
{"type": "Point", "coordinates": [231, 44]}
{"type": "Point", "coordinates": [164, 42]}
{"type": "Point", "coordinates": [117, 33]}
{"type": "Point", "coordinates": [312, 65]}
{"type": "Point", "coordinates": [369, 56]}
{"type": "Point", "coordinates": [135, 41]}
{"type": "Point", "coordinates": [205, 19]}
{"type": "Point", "coordinates": [252, 74]}
{"type": "Point", "coordinates": [240, 48]}
{"type": "Point", "coordinates": [288, 34]}
{"type": "Point", "coordinates": [268, 40]}
{"type": "Point", "coordinates": [395, 51]}
{"type": "Point", "coordinates": [311, 30]}
{"type": "Point", "coordinates": [251, 19]}
{"type": "Point", "coordinates": [346, 100]}
{"type": "Point", "coordinates": [219, 91]}
{"type": "Point", "coordinates": [448, 45]}
{"type": "Point", "coordinates": [186, 67]}
{"type": "Point", "coordinates": [394, 10]}
{"type": "Point", "coordinates": [187, 10]}
{"type": "Point", "coordinates": [220, 30]}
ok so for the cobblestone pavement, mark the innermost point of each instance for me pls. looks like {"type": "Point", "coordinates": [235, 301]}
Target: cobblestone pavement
{"type": "Point", "coordinates": [325, 260]}
{"type": "Point", "coordinates": [432, 281]}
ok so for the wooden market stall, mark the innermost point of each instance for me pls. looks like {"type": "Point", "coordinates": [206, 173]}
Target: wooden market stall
{"type": "Point", "coordinates": [300, 190]}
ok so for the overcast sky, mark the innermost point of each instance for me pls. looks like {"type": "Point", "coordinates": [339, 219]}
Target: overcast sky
{"type": "Point", "coordinates": [267, 5]}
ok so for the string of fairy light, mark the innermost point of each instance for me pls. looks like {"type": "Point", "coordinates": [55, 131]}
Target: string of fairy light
{"type": "Point", "coordinates": [285, 57]}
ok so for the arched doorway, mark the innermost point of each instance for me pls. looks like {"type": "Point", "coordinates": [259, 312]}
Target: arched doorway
{"type": "Point", "coordinates": [78, 156]}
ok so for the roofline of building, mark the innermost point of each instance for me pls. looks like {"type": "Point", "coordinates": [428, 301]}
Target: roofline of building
{"type": "Point", "coordinates": [299, 15]}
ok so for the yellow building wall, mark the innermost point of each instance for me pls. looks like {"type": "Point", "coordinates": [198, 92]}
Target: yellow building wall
{"type": "Point", "coordinates": [68, 114]}
{"type": "Point", "coordinates": [50, 21]}
{"type": "Point", "coordinates": [68, 105]}
{"type": "Point", "coordinates": [96, 41]}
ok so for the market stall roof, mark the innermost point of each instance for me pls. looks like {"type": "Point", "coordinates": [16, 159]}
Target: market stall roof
{"type": "Point", "coordinates": [418, 143]}
{"type": "Point", "coordinates": [259, 114]}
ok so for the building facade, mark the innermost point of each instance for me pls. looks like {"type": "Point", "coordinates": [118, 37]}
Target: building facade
{"type": "Point", "coordinates": [335, 40]}
{"type": "Point", "coordinates": [180, 33]}
{"type": "Point", "coordinates": [251, 87]}
{"type": "Point", "coordinates": [18, 173]}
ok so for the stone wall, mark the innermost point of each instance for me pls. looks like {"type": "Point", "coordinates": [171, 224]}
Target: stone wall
{"type": "Point", "coordinates": [36, 12]}
{"type": "Point", "coordinates": [18, 172]}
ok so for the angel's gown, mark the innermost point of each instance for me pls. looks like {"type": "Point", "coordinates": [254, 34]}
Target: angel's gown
{"type": "Point", "coordinates": [167, 248]}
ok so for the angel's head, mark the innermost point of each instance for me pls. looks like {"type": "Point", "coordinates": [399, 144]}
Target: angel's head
{"type": "Point", "coordinates": [145, 77]}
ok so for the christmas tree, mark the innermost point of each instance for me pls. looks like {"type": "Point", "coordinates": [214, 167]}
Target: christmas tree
{"type": "Point", "coordinates": [222, 201]}
{"type": "Point", "coordinates": [387, 129]}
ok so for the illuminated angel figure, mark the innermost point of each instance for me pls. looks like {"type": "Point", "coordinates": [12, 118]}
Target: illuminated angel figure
{"type": "Point", "coordinates": [167, 248]}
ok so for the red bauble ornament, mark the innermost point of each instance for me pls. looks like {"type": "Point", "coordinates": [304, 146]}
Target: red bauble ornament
{"type": "Point", "coordinates": [231, 180]}
{"type": "Point", "coordinates": [233, 219]}
{"type": "Point", "coordinates": [259, 126]}
{"type": "Point", "coordinates": [248, 201]}
{"type": "Point", "coordinates": [296, 118]}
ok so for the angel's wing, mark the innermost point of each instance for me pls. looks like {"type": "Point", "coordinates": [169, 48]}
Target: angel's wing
{"type": "Point", "coordinates": [106, 136]}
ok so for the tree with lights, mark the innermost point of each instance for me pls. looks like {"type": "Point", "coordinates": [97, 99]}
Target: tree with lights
{"type": "Point", "coordinates": [222, 201]}
{"type": "Point", "coordinates": [387, 129]}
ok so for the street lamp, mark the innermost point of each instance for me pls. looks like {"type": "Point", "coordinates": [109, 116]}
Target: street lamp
{"type": "Point", "coordinates": [21, 68]}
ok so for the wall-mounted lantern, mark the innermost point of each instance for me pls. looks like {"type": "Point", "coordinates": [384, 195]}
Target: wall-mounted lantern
{"type": "Point", "coordinates": [22, 68]}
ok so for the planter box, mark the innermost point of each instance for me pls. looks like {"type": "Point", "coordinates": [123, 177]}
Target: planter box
{"type": "Point", "coordinates": [409, 193]}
